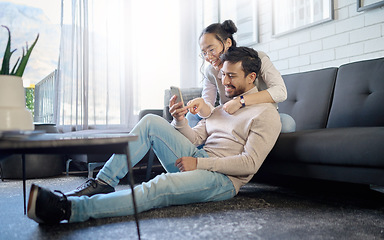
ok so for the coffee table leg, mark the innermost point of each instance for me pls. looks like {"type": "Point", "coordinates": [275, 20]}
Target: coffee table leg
{"type": "Point", "coordinates": [23, 169]}
{"type": "Point", "coordinates": [132, 182]}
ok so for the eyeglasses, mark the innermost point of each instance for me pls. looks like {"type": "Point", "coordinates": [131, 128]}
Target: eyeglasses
{"type": "Point", "coordinates": [211, 51]}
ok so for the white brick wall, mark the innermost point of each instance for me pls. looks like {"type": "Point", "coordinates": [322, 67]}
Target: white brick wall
{"type": "Point", "coordinates": [351, 36]}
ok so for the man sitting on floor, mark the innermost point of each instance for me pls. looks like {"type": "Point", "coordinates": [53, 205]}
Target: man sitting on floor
{"type": "Point", "coordinates": [235, 146]}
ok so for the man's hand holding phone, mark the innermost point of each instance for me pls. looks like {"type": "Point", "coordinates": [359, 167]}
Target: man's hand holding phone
{"type": "Point", "coordinates": [176, 105]}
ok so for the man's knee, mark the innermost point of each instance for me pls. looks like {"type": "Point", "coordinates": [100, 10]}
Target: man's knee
{"type": "Point", "coordinates": [152, 119]}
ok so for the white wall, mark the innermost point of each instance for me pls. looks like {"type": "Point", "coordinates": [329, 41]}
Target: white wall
{"type": "Point", "coordinates": [350, 37]}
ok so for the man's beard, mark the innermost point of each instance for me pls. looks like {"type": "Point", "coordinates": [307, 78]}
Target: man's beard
{"type": "Point", "coordinates": [235, 93]}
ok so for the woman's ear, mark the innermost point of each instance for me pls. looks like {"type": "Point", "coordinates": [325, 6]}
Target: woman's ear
{"type": "Point", "coordinates": [227, 44]}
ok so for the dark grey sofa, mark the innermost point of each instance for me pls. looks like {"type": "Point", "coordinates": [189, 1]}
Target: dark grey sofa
{"type": "Point", "coordinates": [339, 114]}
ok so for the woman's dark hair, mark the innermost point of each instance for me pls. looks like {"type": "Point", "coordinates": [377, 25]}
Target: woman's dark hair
{"type": "Point", "coordinates": [222, 31]}
{"type": "Point", "coordinates": [248, 57]}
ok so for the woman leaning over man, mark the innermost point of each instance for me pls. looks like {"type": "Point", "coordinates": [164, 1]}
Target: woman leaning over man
{"type": "Point", "coordinates": [215, 40]}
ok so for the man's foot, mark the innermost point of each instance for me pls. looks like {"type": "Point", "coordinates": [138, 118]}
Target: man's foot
{"type": "Point", "coordinates": [90, 188]}
{"type": "Point", "coordinates": [44, 206]}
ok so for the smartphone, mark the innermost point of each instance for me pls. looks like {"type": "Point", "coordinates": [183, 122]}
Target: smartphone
{"type": "Point", "coordinates": [176, 91]}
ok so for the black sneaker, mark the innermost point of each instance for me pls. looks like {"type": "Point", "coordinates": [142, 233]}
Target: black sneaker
{"type": "Point", "coordinates": [90, 188]}
{"type": "Point", "coordinates": [44, 206]}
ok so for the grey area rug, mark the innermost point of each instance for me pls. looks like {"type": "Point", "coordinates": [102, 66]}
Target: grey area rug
{"type": "Point", "coordinates": [281, 210]}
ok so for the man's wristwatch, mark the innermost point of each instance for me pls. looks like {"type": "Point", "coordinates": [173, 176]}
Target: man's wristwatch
{"type": "Point", "coordinates": [242, 101]}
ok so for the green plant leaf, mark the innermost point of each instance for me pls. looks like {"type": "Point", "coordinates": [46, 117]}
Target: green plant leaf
{"type": "Point", "coordinates": [7, 55]}
{"type": "Point", "coordinates": [14, 67]}
{"type": "Point", "coordinates": [24, 59]}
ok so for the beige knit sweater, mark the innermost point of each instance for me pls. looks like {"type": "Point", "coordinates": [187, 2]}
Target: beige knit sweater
{"type": "Point", "coordinates": [237, 144]}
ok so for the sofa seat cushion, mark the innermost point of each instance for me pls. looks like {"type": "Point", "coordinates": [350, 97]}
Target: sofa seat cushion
{"type": "Point", "coordinates": [340, 146]}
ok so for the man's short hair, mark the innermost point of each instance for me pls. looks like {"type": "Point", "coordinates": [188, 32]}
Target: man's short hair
{"type": "Point", "coordinates": [248, 57]}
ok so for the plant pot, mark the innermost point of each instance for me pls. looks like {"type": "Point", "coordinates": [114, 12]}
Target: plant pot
{"type": "Point", "coordinates": [14, 116]}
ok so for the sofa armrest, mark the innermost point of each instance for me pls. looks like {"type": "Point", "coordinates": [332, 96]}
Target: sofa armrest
{"type": "Point", "coordinates": [150, 111]}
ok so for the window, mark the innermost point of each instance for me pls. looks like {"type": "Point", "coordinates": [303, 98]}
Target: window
{"type": "Point", "coordinates": [242, 12]}
{"type": "Point", "coordinates": [25, 20]}
{"type": "Point", "coordinates": [118, 57]}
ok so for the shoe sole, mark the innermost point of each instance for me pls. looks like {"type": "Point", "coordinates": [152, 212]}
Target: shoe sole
{"type": "Point", "coordinates": [83, 194]}
{"type": "Point", "coordinates": [31, 213]}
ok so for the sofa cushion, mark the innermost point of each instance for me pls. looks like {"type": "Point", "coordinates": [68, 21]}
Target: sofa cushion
{"type": "Point", "coordinates": [309, 97]}
{"type": "Point", "coordinates": [341, 146]}
{"type": "Point", "coordinates": [359, 95]}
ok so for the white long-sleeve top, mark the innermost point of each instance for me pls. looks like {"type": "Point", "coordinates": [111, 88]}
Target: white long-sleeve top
{"type": "Point", "coordinates": [269, 78]}
{"type": "Point", "coordinates": [237, 144]}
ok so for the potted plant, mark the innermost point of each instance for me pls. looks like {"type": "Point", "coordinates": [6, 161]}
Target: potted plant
{"type": "Point", "coordinates": [13, 113]}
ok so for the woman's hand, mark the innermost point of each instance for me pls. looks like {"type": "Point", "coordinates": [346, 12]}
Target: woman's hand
{"type": "Point", "coordinates": [232, 106]}
{"type": "Point", "coordinates": [176, 109]}
{"type": "Point", "coordinates": [198, 105]}
{"type": "Point", "coordinates": [195, 105]}
{"type": "Point", "coordinates": [186, 164]}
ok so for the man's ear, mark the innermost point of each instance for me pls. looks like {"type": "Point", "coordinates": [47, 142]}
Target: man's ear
{"type": "Point", "coordinates": [251, 77]}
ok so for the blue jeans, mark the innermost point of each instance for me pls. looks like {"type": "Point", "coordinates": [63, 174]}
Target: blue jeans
{"type": "Point", "coordinates": [171, 188]}
{"type": "Point", "coordinates": [288, 124]}
{"type": "Point", "coordinates": [193, 119]}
